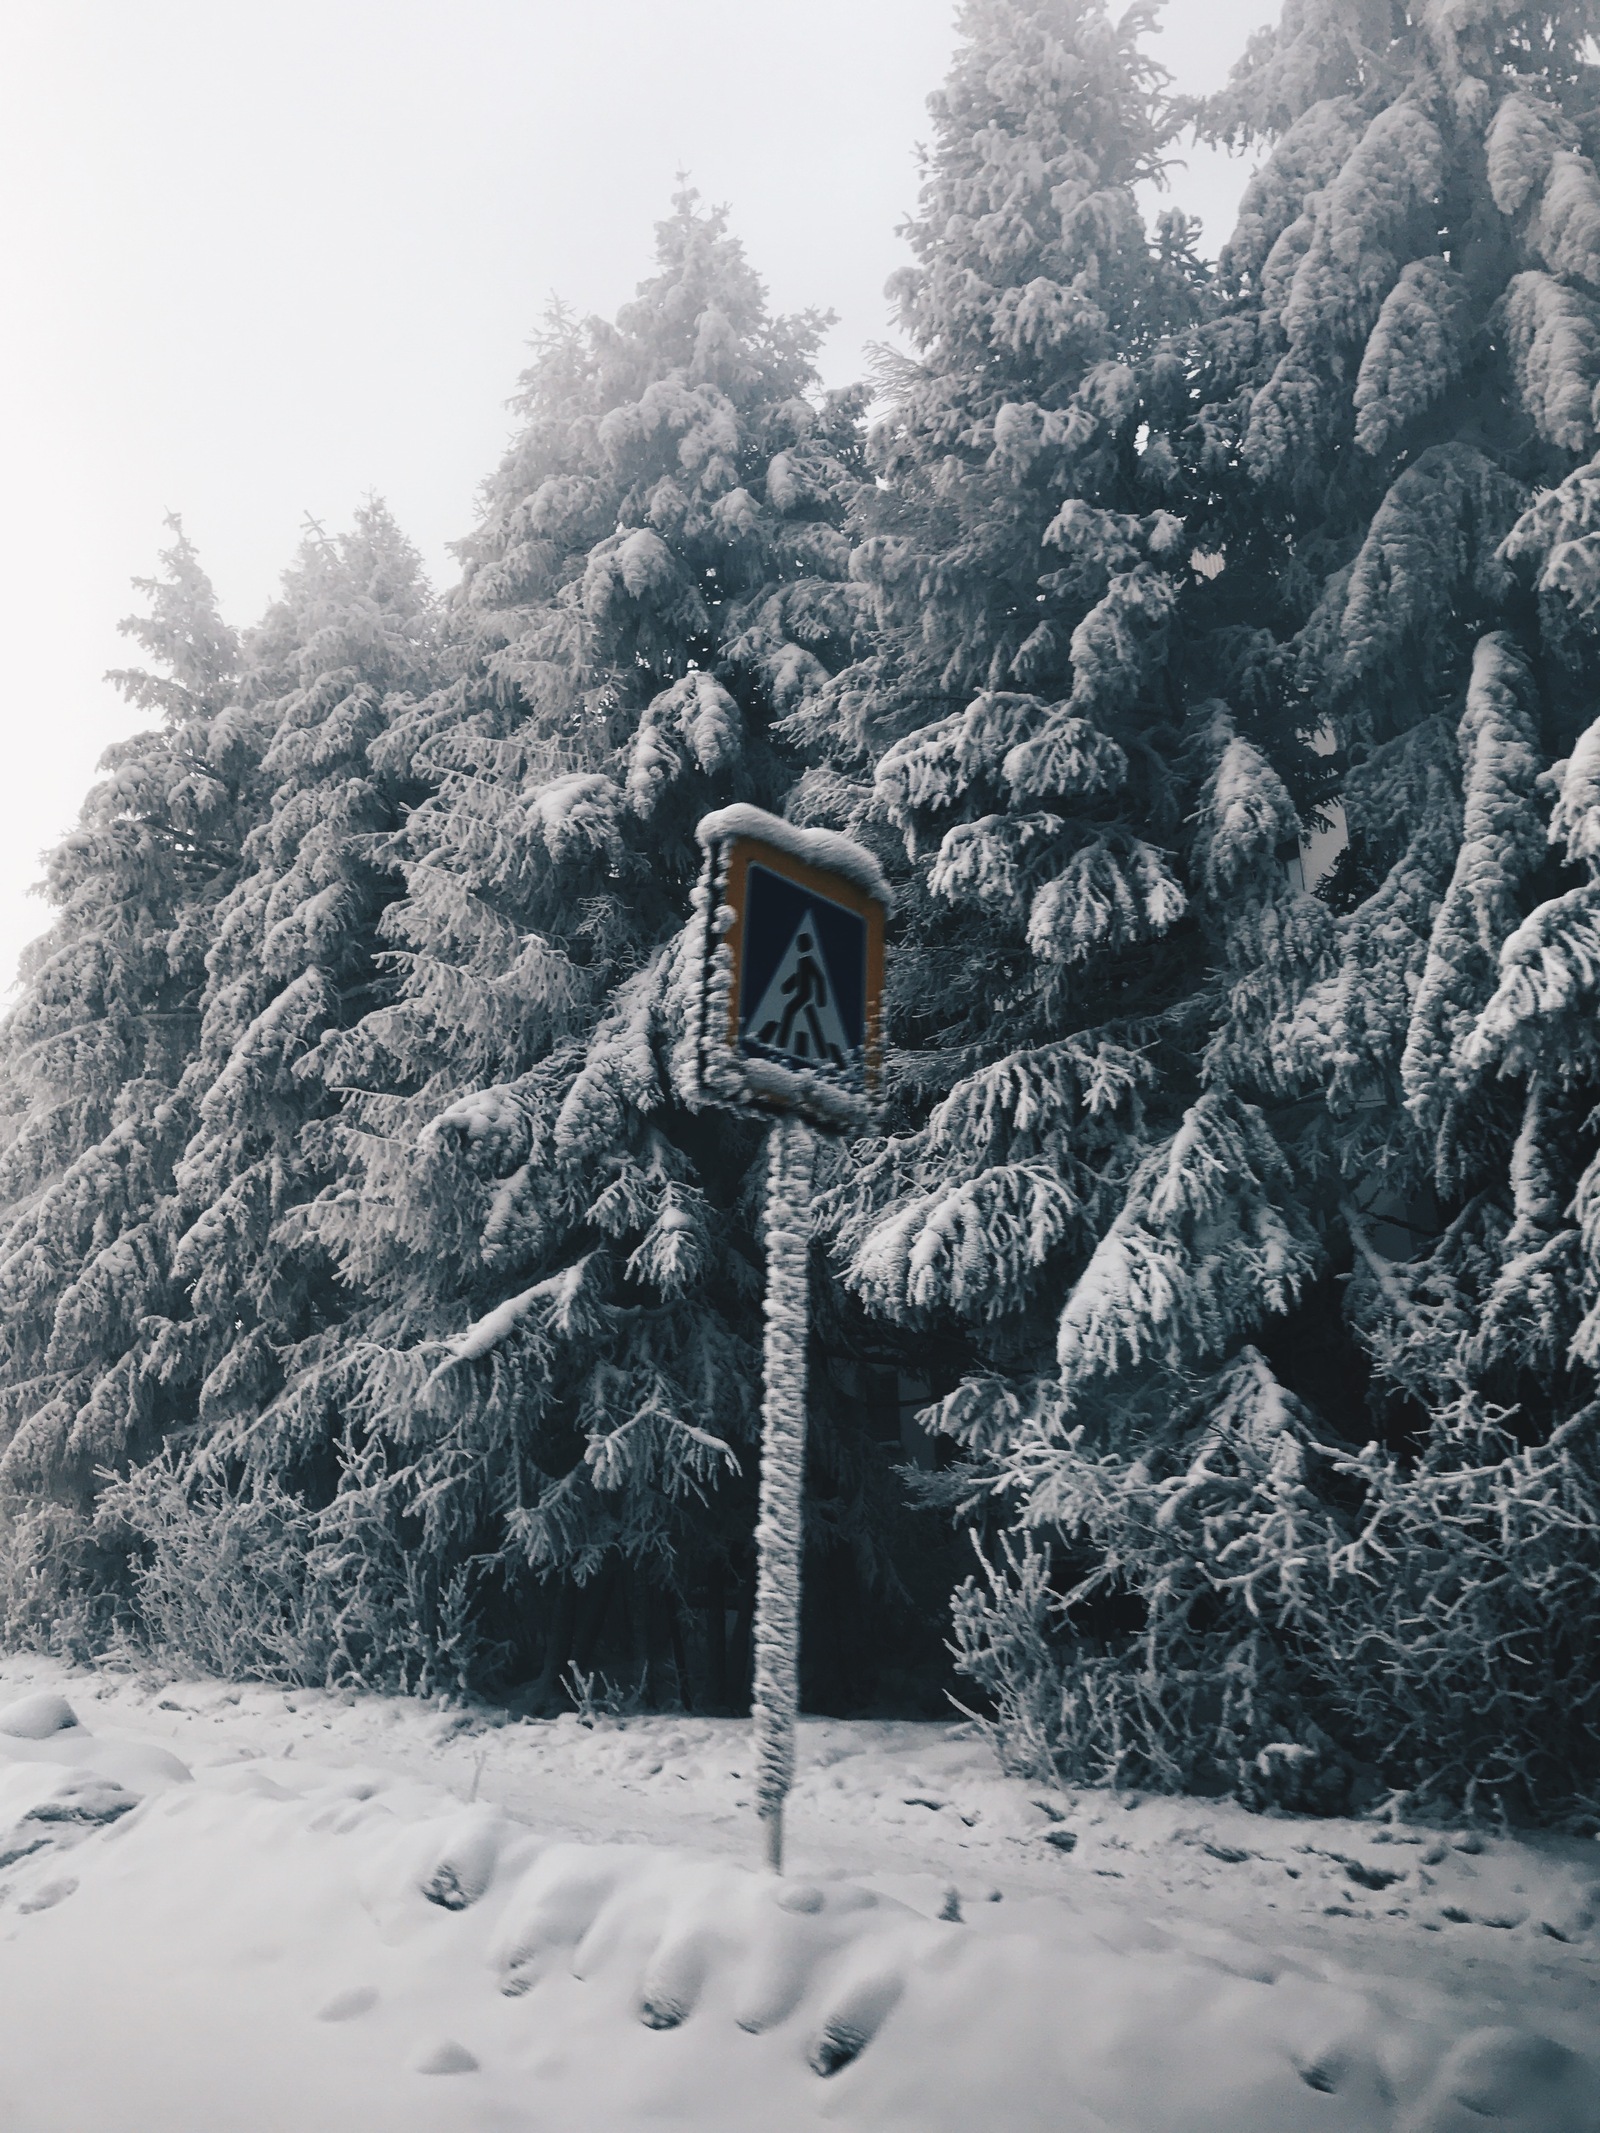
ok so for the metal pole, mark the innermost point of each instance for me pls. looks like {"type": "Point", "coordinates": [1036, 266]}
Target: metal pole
{"type": "Point", "coordinates": [791, 1163]}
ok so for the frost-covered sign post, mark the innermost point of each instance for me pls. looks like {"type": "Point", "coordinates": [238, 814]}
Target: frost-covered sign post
{"type": "Point", "coordinates": [790, 1024]}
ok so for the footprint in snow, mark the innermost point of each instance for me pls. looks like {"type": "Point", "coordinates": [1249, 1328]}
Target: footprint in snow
{"type": "Point", "coordinates": [676, 1975]}
{"type": "Point", "coordinates": [89, 1800]}
{"type": "Point", "coordinates": [462, 1869]}
{"type": "Point", "coordinates": [345, 2006]}
{"type": "Point", "coordinates": [47, 1897]}
{"type": "Point", "coordinates": [19, 1845]}
{"type": "Point", "coordinates": [445, 2057]}
{"type": "Point", "coordinates": [781, 1961]}
{"type": "Point", "coordinates": [550, 1914]}
{"type": "Point", "coordinates": [1515, 2077]}
{"type": "Point", "coordinates": [861, 2002]}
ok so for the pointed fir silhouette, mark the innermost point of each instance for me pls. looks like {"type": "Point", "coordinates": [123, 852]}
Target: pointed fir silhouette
{"type": "Point", "coordinates": [1243, 1234]}
{"type": "Point", "coordinates": [558, 1375]}
{"type": "Point", "coordinates": [95, 1055]}
{"type": "Point", "coordinates": [1346, 431]}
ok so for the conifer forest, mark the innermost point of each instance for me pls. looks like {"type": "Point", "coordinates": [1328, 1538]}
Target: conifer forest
{"type": "Point", "coordinates": [1205, 1339]}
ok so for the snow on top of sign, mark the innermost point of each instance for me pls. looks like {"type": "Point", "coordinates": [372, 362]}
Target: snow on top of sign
{"type": "Point", "coordinates": [817, 848]}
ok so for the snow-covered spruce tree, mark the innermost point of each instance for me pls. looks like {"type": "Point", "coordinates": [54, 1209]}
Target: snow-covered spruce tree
{"type": "Point", "coordinates": [177, 1326]}
{"type": "Point", "coordinates": [1213, 1577]}
{"type": "Point", "coordinates": [92, 1071]}
{"type": "Point", "coordinates": [1042, 715]}
{"type": "Point", "coordinates": [342, 654]}
{"type": "Point", "coordinates": [556, 1373]}
{"type": "Point", "coordinates": [1444, 652]}
{"type": "Point", "coordinates": [1010, 720]}
{"type": "Point", "coordinates": [1022, 721]}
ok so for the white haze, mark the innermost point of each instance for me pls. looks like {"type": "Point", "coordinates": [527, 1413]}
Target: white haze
{"type": "Point", "coordinates": [263, 261]}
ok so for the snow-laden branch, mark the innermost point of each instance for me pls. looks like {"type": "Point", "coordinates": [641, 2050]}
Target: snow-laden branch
{"type": "Point", "coordinates": [559, 1290]}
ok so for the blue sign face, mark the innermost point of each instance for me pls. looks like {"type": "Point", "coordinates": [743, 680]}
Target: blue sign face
{"type": "Point", "coordinates": [803, 977]}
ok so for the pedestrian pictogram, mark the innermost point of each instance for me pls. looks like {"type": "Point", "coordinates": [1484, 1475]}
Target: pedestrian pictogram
{"type": "Point", "coordinates": [797, 1014]}
{"type": "Point", "coordinates": [792, 983]}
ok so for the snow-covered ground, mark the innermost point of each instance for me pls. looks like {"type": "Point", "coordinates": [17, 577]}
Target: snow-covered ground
{"type": "Point", "coordinates": [240, 1910]}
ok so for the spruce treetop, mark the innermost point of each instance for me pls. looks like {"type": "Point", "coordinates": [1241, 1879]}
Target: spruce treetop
{"type": "Point", "coordinates": [1027, 222]}
{"type": "Point", "coordinates": [558, 1258]}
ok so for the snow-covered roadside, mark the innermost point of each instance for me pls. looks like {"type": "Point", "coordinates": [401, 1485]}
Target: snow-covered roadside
{"type": "Point", "coordinates": [235, 1908]}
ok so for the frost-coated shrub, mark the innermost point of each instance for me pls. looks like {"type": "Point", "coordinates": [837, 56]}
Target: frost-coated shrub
{"type": "Point", "coordinates": [218, 1581]}
{"type": "Point", "coordinates": [58, 1585]}
{"type": "Point", "coordinates": [1152, 1622]}
{"type": "Point", "coordinates": [247, 1583]}
{"type": "Point", "coordinates": [1464, 1616]}
{"type": "Point", "coordinates": [1315, 1624]}
{"type": "Point", "coordinates": [1196, 1713]}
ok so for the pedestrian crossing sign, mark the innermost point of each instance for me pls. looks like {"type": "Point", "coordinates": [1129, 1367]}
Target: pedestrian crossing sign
{"type": "Point", "coordinates": [793, 994]}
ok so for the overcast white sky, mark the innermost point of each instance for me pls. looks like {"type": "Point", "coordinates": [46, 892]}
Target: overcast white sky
{"type": "Point", "coordinates": [262, 258]}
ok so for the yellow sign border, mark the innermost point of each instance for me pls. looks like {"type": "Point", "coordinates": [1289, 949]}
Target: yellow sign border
{"type": "Point", "coordinates": [833, 888]}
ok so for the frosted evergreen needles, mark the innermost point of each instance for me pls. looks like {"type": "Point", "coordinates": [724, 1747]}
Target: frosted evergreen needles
{"type": "Point", "coordinates": [1205, 656]}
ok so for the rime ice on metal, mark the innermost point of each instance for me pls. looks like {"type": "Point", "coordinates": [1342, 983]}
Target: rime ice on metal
{"type": "Point", "coordinates": [791, 923]}
{"type": "Point", "coordinates": [791, 929]}
{"type": "Point", "coordinates": [779, 1538]}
